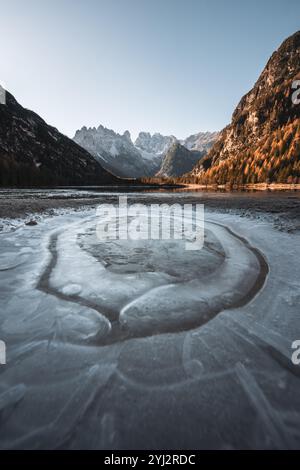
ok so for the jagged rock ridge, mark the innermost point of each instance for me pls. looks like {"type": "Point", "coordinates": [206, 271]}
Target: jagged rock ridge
{"type": "Point", "coordinates": [145, 156]}
{"type": "Point", "coordinates": [115, 152]}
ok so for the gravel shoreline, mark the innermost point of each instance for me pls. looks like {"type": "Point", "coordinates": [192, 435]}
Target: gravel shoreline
{"type": "Point", "coordinates": [282, 209]}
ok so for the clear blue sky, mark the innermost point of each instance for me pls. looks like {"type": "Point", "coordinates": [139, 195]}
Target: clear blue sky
{"type": "Point", "coordinates": [173, 66]}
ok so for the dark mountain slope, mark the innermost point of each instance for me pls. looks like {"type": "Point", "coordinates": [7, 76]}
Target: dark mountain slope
{"type": "Point", "coordinates": [32, 153]}
{"type": "Point", "coordinates": [178, 160]}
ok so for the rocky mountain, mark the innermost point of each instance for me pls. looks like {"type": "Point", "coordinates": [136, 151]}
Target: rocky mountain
{"type": "Point", "coordinates": [262, 143]}
{"type": "Point", "coordinates": [155, 144]}
{"type": "Point", "coordinates": [160, 144]}
{"type": "Point", "coordinates": [32, 153]}
{"type": "Point", "coordinates": [202, 141]}
{"type": "Point", "coordinates": [178, 160]}
{"type": "Point", "coordinates": [116, 152]}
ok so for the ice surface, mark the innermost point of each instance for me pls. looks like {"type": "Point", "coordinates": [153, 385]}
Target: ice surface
{"type": "Point", "coordinates": [85, 369]}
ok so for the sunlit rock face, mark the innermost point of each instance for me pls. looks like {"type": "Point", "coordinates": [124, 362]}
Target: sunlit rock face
{"type": "Point", "coordinates": [261, 143]}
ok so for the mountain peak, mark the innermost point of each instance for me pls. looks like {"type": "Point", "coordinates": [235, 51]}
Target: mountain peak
{"type": "Point", "coordinates": [127, 136]}
{"type": "Point", "coordinates": [261, 143]}
{"type": "Point", "coordinates": [178, 160]}
{"type": "Point", "coordinates": [290, 44]}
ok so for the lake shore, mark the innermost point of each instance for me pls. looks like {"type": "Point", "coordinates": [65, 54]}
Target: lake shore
{"type": "Point", "coordinates": [281, 208]}
{"type": "Point", "coordinates": [247, 187]}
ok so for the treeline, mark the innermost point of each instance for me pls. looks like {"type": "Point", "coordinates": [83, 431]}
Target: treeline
{"type": "Point", "coordinates": [21, 172]}
{"type": "Point", "coordinates": [275, 160]}
{"type": "Point", "coordinates": [16, 174]}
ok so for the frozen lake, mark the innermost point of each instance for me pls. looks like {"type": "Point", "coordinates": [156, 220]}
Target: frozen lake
{"type": "Point", "coordinates": [141, 344]}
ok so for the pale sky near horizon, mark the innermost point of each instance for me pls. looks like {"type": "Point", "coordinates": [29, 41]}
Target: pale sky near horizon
{"type": "Point", "coordinates": [170, 66]}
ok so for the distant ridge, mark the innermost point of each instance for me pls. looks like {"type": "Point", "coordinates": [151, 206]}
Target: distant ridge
{"type": "Point", "coordinates": [143, 158]}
